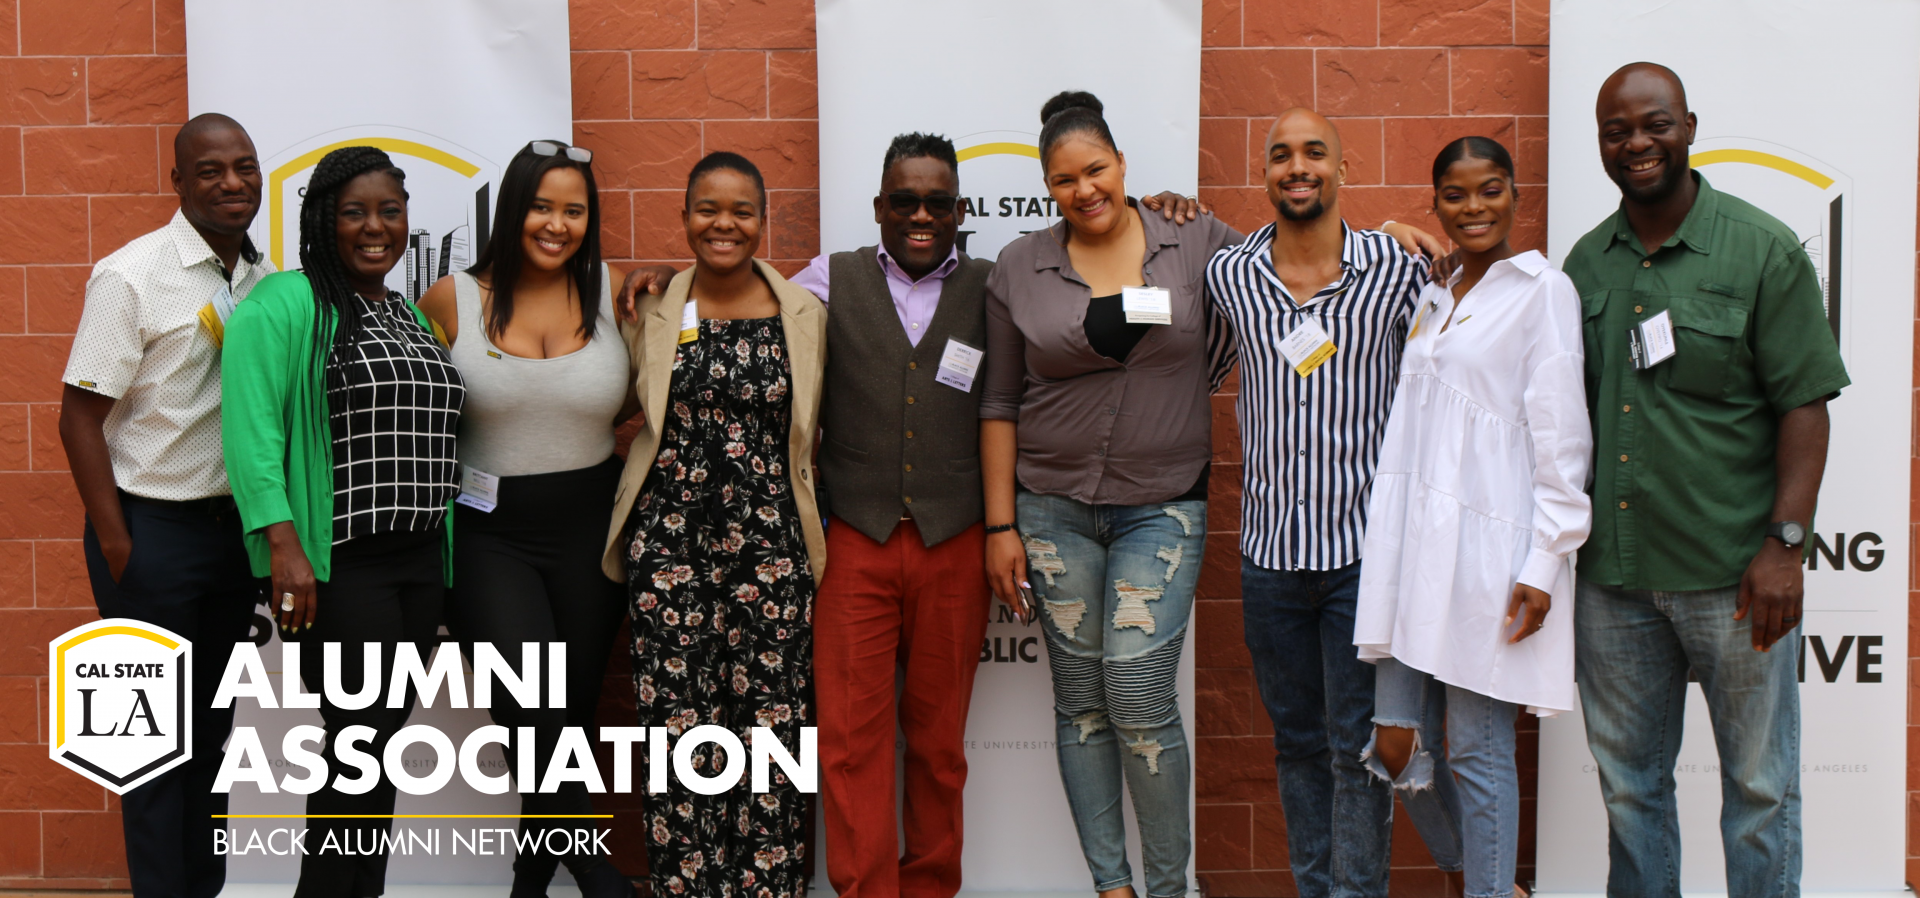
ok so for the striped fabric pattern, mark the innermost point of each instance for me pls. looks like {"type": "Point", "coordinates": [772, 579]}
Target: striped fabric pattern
{"type": "Point", "coordinates": [1311, 442]}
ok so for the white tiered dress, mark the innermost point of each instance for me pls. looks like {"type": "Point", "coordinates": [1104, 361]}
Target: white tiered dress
{"type": "Point", "coordinates": [1481, 484]}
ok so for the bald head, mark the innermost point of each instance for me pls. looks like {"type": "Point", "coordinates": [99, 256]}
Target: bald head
{"type": "Point", "coordinates": [1642, 79]}
{"type": "Point", "coordinates": [1305, 166]}
{"type": "Point", "coordinates": [1303, 124]}
{"type": "Point", "coordinates": [201, 128]}
{"type": "Point", "coordinates": [1645, 129]}
{"type": "Point", "coordinates": [217, 175]}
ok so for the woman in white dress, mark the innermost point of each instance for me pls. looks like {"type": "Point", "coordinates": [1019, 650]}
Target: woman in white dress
{"type": "Point", "coordinates": [1477, 504]}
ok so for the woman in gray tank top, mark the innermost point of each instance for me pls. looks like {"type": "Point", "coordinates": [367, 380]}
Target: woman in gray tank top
{"type": "Point", "coordinates": [531, 328]}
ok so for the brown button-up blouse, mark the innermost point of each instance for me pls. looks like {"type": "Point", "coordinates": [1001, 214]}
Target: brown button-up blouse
{"type": "Point", "coordinates": [1091, 428]}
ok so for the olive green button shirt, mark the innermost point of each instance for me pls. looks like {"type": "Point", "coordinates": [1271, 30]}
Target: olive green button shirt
{"type": "Point", "coordinates": [1684, 476]}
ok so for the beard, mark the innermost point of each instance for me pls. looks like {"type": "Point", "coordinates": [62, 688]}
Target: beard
{"type": "Point", "coordinates": [1288, 212]}
{"type": "Point", "coordinates": [1310, 212]}
{"type": "Point", "coordinates": [1652, 193]}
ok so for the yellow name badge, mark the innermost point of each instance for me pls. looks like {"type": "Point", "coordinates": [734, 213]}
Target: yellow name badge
{"type": "Point", "coordinates": [1307, 347]}
{"type": "Point", "coordinates": [690, 321]}
{"type": "Point", "coordinates": [213, 316]}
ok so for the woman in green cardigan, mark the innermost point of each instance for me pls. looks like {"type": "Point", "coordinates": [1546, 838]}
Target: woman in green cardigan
{"type": "Point", "coordinates": [339, 420]}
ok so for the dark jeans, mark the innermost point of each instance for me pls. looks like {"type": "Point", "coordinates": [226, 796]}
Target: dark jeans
{"type": "Point", "coordinates": [188, 572]}
{"type": "Point", "coordinates": [529, 571]}
{"type": "Point", "coordinates": [1299, 629]}
{"type": "Point", "coordinates": [386, 589]}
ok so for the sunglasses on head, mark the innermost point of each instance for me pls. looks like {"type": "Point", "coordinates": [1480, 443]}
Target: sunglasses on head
{"type": "Point", "coordinates": [549, 148]}
{"type": "Point", "coordinates": [938, 205]}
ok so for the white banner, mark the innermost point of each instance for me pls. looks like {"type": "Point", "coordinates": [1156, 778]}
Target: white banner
{"type": "Point", "coordinates": [451, 89]}
{"type": "Point", "coordinates": [1808, 110]}
{"type": "Point", "coordinates": [1012, 56]}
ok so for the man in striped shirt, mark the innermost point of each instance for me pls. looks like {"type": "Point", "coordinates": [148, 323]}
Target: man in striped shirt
{"type": "Point", "coordinates": [1320, 313]}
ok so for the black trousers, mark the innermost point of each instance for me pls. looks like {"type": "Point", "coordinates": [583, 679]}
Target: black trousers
{"type": "Point", "coordinates": [529, 571]}
{"type": "Point", "coordinates": [188, 572]}
{"type": "Point", "coordinates": [387, 588]}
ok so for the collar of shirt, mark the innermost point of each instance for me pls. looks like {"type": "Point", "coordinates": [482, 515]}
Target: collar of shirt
{"type": "Point", "coordinates": [894, 272]}
{"type": "Point", "coordinates": [1696, 230]}
{"type": "Point", "coordinates": [1353, 260]}
{"type": "Point", "coordinates": [194, 250]}
{"type": "Point", "coordinates": [1160, 234]}
{"type": "Point", "coordinates": [1529, 263]}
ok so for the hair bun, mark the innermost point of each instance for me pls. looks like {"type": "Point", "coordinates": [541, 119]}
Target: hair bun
{"type": "Point", "coordinates": [1070, 99]}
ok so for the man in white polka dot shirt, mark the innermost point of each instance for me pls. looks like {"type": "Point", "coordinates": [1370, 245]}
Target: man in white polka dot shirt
{"type": "Point", "coordinates": [140, 418]}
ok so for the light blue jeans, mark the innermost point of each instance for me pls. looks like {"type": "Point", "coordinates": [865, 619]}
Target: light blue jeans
{"type": "Point", "coordinates": [1633, 649]}
{"type": "Point", "coordinates": [1115, 587]}
{"type": "Point", "coordinates": [1475, 824]}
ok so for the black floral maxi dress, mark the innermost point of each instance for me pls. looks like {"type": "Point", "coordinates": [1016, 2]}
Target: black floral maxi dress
{"type": "Point", "coordinates": [723, 612]}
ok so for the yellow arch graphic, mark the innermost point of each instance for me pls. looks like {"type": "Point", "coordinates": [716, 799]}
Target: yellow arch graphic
{"type": "Point", "coordinates": [1003, 148]}
{"type": "Point", "coordinates": [276, 232]}
{"type": "Point", "coordinates": [1765, 160]}
{"type": "Point", "coordinates": [60, 666]}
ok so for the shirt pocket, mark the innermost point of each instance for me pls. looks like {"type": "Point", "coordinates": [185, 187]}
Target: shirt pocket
{"type": "Point", "coordinates": [1707, 333]}
{"type": "Point", "coordinates": [1190, 304]}
{"type": "Point", "coordinates": [1591, 305]}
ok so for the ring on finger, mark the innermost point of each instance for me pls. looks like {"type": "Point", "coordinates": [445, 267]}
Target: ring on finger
{"type": "Point", "coordinates": [286, 601]}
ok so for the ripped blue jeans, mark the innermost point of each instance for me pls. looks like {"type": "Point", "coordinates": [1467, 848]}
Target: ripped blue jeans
{"type": "Point", "coordinates": [1115, 588]}
{"type": "Point", "coordinates": [1462, 752]}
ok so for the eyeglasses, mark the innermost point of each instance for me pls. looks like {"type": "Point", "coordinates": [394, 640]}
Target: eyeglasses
{"type": "Point", "coordinates": [549, 148]}
{"type": "Point", "coordinates": [938, 205]}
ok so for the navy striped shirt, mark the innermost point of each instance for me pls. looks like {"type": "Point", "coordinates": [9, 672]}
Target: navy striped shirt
{"type": "Point", "coordinates": [1311, 442]}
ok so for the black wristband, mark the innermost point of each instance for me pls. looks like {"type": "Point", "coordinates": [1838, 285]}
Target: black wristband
{"type": "Point", "coordinates": [1000, 529]}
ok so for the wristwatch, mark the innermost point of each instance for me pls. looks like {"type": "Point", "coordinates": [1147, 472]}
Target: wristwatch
{"type": "Point", "coordinates": [1788, 532]}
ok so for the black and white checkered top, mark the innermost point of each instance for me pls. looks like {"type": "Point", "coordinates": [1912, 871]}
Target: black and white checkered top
{"type": "Point", "coordinates": [393, 446]}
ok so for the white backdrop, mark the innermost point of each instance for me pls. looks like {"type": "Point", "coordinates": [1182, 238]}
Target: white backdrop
{"type": "Point", "coordinates": [1002, 60]}
{"type": "Point", "coordinates": [1809, 110]}
{"type": "Point", "coordinates": [452, 89]}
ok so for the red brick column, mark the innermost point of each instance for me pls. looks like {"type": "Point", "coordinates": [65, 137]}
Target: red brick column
{"type": "Point", "coordinates": [1400, 78]}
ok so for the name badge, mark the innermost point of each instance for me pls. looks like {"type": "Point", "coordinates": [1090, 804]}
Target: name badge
{"type": "Point", "coordinates": [958, 365]}
{"type": "Point", "coordinates": [478, 489]}
{"type": "Point", "coordinates": [1147, 305]}
{"type": "Point", "coordinates": [1651, 341]}
{"type": "Point", "coordinates": [1307, 346]}
{"type": "Point", "coordinates": [690, 321]}
{"type": "Point", "coordinates": [214, 315]}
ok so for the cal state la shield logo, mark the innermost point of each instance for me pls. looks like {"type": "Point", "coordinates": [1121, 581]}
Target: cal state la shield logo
{"type": "Point", "coordinates": [118, 706]}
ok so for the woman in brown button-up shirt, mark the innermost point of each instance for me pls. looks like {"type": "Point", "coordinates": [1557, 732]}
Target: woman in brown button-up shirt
{"type": "Point", "coordinates": [1110, 450]}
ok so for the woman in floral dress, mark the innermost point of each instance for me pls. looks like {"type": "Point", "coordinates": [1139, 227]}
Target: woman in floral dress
{"type": "Point", "coordinates": [721, 540]}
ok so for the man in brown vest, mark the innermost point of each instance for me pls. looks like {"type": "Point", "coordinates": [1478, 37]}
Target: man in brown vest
{"type": "Point", "coordinates": [905, 588]}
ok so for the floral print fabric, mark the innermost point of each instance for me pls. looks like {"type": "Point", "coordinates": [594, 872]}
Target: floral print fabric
{"type": "Point", "coordinates": [722, 601]}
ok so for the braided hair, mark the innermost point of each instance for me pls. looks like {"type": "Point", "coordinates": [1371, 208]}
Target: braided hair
{"type": "Point", "coordinates": [333, 293]}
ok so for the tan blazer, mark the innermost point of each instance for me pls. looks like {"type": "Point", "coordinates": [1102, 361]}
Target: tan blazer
{"type": "Point", "coordinates": [651, 347]}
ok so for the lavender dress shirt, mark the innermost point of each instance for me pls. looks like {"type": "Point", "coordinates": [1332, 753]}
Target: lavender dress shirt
{"type": "Point", "coordinates": [913, 300]}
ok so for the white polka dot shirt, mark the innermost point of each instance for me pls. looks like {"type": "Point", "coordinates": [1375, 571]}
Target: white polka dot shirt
{"type": "Point", "coordinates": [140, 342]}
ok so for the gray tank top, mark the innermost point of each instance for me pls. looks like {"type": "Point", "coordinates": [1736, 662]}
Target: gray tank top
{"type": "Point", "coordinates": [537, 416]}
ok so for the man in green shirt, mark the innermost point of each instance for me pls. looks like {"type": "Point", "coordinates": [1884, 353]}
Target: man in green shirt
{"type": "Point", "coordinates": [1708, 463]}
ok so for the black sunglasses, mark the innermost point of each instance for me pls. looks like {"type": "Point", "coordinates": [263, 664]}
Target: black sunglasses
{"type": "Point", "coordinates": [938, 205]}
{"type": "Point", "coordinates": [552, 148]}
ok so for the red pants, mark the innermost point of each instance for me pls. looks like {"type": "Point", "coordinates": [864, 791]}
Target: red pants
{"type": "Point", "coordinates": [883, 608]}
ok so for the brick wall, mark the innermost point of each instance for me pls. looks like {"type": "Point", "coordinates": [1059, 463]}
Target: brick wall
{"type": "Point", "coordinates": [91, 90]}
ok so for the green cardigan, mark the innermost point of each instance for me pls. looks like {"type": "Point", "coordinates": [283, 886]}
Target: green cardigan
{"type": "Point", "coordinates": [273, 423]}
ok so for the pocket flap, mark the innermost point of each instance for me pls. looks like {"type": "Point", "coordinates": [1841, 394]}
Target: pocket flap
{"type": "Point", "coordinates": [1593, 303]}
{"type": "Point", "coordinates": [1708, 317]}
{"type": "Point", "coordinates": [847, 452]}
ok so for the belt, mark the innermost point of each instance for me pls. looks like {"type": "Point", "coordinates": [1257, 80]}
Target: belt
{"type": "Point", "coordinates": [212, 505]}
